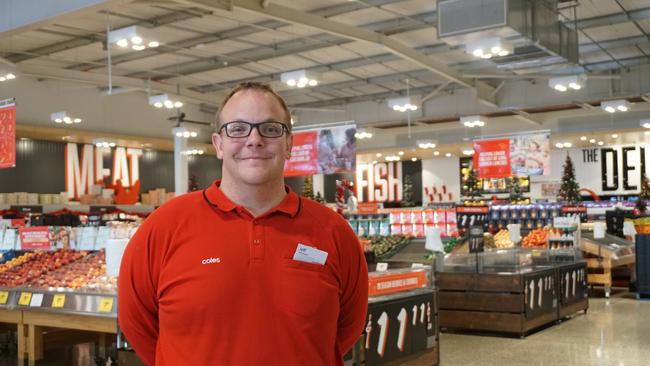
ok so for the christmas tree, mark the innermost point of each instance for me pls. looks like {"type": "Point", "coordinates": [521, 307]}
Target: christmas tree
{"type": "Point", "coordinates": [408, 199]}
{"type": "Point", "coordinates": [193, 184]}
{"type": "Point", "coordinates": [308, 187]}
{"type": "Point", "coordinates": [569, 188]}
{"type": "Point", "coordinates": [644, 194]}
{"type": "Point", "coordinates": [514, 188]}
{"type": "Point", "coordinates": [472, 184]}
{"type": "Point", "coordinates": [319, 198]}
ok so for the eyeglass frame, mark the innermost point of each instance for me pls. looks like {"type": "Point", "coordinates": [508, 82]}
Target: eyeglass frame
{"type": "Point", "coordinates": [255, 126]}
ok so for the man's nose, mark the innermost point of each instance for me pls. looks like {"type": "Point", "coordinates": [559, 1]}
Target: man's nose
{"type": "Point", "coordinates": [255, 139]}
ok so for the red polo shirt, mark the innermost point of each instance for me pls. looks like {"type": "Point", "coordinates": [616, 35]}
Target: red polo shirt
{"type": "Point", "coordinates": [203, 282]}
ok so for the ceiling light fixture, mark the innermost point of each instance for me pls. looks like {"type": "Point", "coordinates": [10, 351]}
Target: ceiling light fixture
{"type": "Point", "coordinates": [392, 158]}
{"type": "Point", "coordinates": [426, 144]}
{"type": "Point", "coordinates": [137, 37]}
{"type": "Point", "coordinates": [448, 155]}
{"type": "Point", "coordinates": [414, 159]}
{"type": "Point", "coordinates": [601, 143]}
{"type": "Point", "coordinates": [614, 135]}
{"type": "Point", "coordinates": [299, 78]}
{"type": "Point", "coordinates": [184, 132]}
{"type": "Point", "coordinates": [583, 138]}
{"type": "Point", "coordinates": [62, 117]}
{"type": "Point", "coordinates": [193, 152]}
{"type": "Point", "coordinates": [468, 152]}
{"type": "Point", "coordinates": [6, 75]}
{"type": "Point", "coordinates": [402, 104]}
{"type": "Point", "coordinates": [163, 100]}
{"type": "Point", "coordinates": [105, 143]}
{"type": "Point", "coordinates": [613, 106]}
{"type": "Point", "coordinates": [436, 153]}
{"type": "Point", "coordinates": [593, 141]}
{"type": "Point", "coordinates": [564, 83]}
{"type": "Point", "coordinates": [378, 155]}
{"type": "Point", "coordinates": [362, 134]}
{"type": "Point", "coordinates": [489, 47]}
{"type": "Point", "coordinates": [473, 121]}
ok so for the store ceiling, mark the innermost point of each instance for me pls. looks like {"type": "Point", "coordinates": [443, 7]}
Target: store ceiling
{"type": "Point", "coordinates": [363, 50]}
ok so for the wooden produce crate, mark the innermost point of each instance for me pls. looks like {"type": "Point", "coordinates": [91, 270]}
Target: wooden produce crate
{"type": "Point", "coordinates": [572, 289]}
{"type": "Point", "coordinates": [514, 303]}
{"type": "Point", "coordinates": [604, 260]}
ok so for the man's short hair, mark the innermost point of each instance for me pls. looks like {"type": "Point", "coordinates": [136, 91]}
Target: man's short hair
{"type": "Point", "coordinates": [252, 85]}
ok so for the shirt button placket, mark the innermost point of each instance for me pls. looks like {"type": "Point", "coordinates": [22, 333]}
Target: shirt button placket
{"type": "Point", "coordinates": [257, 249]}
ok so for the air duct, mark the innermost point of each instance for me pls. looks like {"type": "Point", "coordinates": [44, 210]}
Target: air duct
{"type": "Point", "coordinates": [541, 41]}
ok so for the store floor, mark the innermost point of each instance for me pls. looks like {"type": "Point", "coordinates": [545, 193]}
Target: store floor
{"type": "Point", "coordinates": [614, 331]}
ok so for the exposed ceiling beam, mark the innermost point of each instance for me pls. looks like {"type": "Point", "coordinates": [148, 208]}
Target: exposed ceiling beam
{"type": "Point", "coordinates": [236, 32]}
{"type": "Point", "coordinates": [101, 80]}
{"type": "Point", "coordinates": [356, 33]}
{"type": "Point", "coordinates": [524, 116]}
{"type": "Point", "coordinates": [99, 35]}
{"type": "Point", "coordinates": [435, 91]}
{"type": "Point", "coordinates": [611, 19]}
{"type": "Point", "coordinates": [363, 98]}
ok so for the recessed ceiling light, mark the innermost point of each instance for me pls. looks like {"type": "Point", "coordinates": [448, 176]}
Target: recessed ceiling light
{"type": "Point", "coordinates": [400, 153]}
{"type": "Point", "coordinates": [614, 135]}
{"type": "Point", "coordinates": [583, 138]}
{"type": "Point", "coordinates": [646, 133]}
{"type": "Point", "coordinates": [593, 141]}
{"type": "Point", "coordinates": [601, 143]}
{"type": "Point", "coordinates": [436, 153]}
{"type": "Point", "coordinates": [378, 155]}
{"type": "Point", "coordinates": [448, 155]}
{"type": "Point", "coordinates": [414, 159]}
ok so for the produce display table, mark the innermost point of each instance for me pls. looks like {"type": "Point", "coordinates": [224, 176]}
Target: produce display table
{"type": "Point", "coordinates": [606, 255]}
{"type": "Point", "coordinates": [508, 291]}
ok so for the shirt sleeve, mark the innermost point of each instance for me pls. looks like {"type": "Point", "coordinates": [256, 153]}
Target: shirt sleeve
{"type": "Point", "coordinates": [137, 299]}
{"type": "Point", "coordinates": [354, 294]}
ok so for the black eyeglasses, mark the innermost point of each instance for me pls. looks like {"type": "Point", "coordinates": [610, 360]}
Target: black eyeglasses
{"type": "Point", "coordinates": [238, 129]}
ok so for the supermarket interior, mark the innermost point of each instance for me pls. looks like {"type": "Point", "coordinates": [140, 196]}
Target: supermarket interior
{"type": "Point", "coordinates": [490, 156]}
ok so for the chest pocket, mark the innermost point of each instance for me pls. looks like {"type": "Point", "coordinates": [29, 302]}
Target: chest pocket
{"type": "Point", "coordinates": [306, 290]}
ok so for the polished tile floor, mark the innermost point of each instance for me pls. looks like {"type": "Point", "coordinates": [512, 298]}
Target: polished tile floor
{"type": "Point", "coordinates": [614, 332]}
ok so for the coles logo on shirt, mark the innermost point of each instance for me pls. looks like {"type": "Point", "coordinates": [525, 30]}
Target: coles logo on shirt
{"type": "Point", "coordinates": [211, 260]}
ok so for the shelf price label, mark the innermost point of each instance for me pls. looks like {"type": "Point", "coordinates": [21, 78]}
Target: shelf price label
{"type": "Point", "coordinates": [58, 301]}
{"type": "Point", "coordinates": [4, 296]}
{"type": "Point", "coordinates": [105, 305]}
{"type": "Point", "coordinates": [25, 298]}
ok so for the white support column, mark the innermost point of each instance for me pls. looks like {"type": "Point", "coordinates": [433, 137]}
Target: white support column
{"type": "Point", "coordinates": [180, 163]}
{"type": "Point", "coordinates": [319, 184]}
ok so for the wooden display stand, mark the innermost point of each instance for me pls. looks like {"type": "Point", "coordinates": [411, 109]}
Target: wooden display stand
{"type": "Point", "coordinates": [601, 262]}
{"type": "Point", "coordinates": [514, 303]}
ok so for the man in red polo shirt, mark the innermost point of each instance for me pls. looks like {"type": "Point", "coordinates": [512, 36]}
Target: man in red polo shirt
{"type": "Point", "coordinates": [245, 272]}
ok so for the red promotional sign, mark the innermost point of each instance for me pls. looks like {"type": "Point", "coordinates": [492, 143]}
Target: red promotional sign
{"type": "Point", "coordinates": [304, 155]}
{"type": "Point", "coordinates": [492, 158]}
{"type": "Point", "coordinates": [8, 136]}
{"type": "Point", "coordinates": [35, 237]}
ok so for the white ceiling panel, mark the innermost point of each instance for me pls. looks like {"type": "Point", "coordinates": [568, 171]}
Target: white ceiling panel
{"type": "Point", "coordinates": [330, 54]}
{"type": "Point", "coordinates": [153, 63]}
{"type": "Point", "coordinates": [411, 6]}
{"type": "Point", "coordinates": [417, 38]}
{"type": "Point", "coordinates": [363, 16]}
{"type": "Point", "coordinates": [308, 5]}
{"type": "Point", "coordinates": [286, 63]}
{"type": "Point", "coordinates": [612, 32]}
{"type": "Point", "coordinates": [335, 77]}
{"type": "Point", "coordinates": [401, 65]}
{"type": "Point", "coordinates": [368, 71]}
{"type": "Point", "coordinates": [635, 4]}
{"type": "Point", "coordinates": [28, 40]}
{"type": "Point", "coordinates": [299, 30]}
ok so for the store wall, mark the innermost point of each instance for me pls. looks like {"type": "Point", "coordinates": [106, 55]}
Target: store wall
{"type": "Point", "coordinates": [439, 171]}
{"type": "Point", "coordinates": [40, 168]}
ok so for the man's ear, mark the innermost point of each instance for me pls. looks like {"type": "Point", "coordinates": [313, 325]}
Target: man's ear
{"type": "Point", "coordinates": [217, 142]}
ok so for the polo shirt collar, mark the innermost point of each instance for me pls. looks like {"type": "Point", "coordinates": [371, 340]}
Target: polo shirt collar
{"type": "Point", "coordinates": [215, 197]}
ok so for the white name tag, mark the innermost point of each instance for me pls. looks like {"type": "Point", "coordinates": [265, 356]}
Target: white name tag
{"type": "Point", "coordinates": [305, 253]}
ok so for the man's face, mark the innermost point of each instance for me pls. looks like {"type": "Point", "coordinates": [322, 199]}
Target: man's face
{"type": "Point", "coordinates": [252, 160]}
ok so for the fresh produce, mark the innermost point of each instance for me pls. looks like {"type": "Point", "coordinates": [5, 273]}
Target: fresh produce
{"type": "Point", "coordinates": [488, 241]}
{"type": "Point", "coordinates": [383, 245]}
{"type": "Point", "coordinates": [74, 275]}
{"type": "Point", "coordinates": [502, 240]}
{"type": "Point", "coordinates": [366, 244]}
{"type": "Point", "coordinates": [538, 238]}
{"type": "Point", "coordinates": [102, 284]}
{"type": "Point", "coordinates": [37, 265]}
{"type": "Point", "coordinates": [18, 261]}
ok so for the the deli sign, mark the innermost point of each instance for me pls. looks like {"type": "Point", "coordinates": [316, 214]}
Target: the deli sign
{"type": "Point", "coordinates": [621, 166]}
{"type": "Point", "coordinates": [381, 182]}
{"type": "Point", "coordinates": [84, 167]}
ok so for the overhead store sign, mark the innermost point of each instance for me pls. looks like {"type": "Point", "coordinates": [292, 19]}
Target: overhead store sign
{"type": "Point", "coordinates": [381, 182]}
{"type": "Point", "coordinates": [85, 170]}
{"type": "Point", "coordinates": [7, 134]}
{"type": "Point", "coordinates": [322, 151]}
{"type": "Point", "coordinates": [521, 156]}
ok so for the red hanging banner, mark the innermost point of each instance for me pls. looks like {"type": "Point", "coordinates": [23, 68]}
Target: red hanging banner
{"type": "Point", "coordinates": [304, 155]}
{"type": "Point", "coordinates": [492, 158]}
{"type": "Point", "coordinates": [8, 136]}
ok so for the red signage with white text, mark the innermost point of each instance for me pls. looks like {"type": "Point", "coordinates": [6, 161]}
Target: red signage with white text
{"type": "Point", "coordinates": [304, 155]}
{"type": "Point", "coordinates": [8, 136]}
{"type": "Point", "coordinates": [35, 237]}
{"type": "Point", "coordinates": [492, 158]}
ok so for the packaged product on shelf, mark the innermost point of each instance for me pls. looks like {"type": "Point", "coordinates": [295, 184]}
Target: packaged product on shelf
{"type": "Point", "coordinates": [87, 239]}
{"type": "Point", "coordinates": [407, 230]}
{"type": "Point", "coordinates": [416, 217]}
{"type": "Point", "coordinates": [9, 239]}
{"type": "Point", "coordinates": [405, 217]}
{"type": "Point", "coordinates": [418, 230]}
{"type": "Point", "coordinates": [364, 227]}
{"type": "Point", "coordinates": [429, 216]}
{"type": "Point", "coordinates": [374, 227]}
{"type": "Point", "coordinates": [395, 217]}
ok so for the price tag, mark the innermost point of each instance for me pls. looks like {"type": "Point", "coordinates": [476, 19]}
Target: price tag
{"type": "Point", "coordinates": [58, 301]}
{"type": "Point", "coordinates": [25, 298]}
{"type": "Point", "coordinates": [105, 305]}
{"type": "Point", "coordinates": [36, 301]}
{"type": "Point", "coordinates": [382, 267]}
{"type": "Point", "coordinates": [4, 296]}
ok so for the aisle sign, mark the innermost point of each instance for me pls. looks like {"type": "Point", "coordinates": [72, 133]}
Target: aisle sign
{"type": "Point", "coordinates": [106, 305]}
{"type": "Point", "coordinates": [58, 301]}
{"type": "Point", "coordinates": [396, 282]}
{"type": "Point", "coordinates": [35, 237]}
{"type": "Point", "coordinates": [25, 298]}
{"type": "Point", "coordinates": [4, 296]}
{"type": "Point", "coordinates": [8, 136]}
